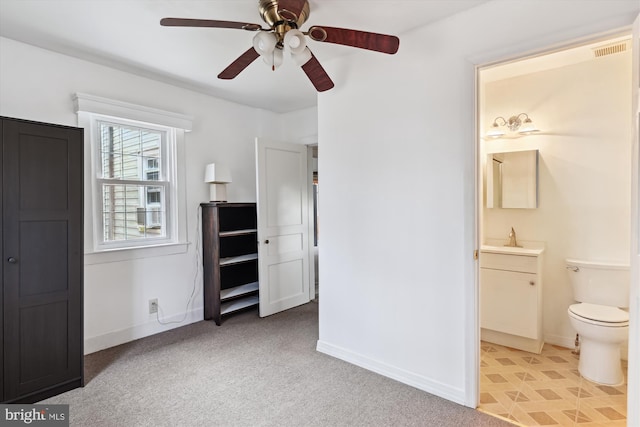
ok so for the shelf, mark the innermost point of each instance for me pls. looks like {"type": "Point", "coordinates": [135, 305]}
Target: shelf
{"type": "Point", "coordinates": [239, 304]}
{"type": "Point", "coordinates": [238, 259]}
{"type": "Point", "coordinates": [238, 291]}
{"type": "Point", "coordinates": [237, 232]}
{"type": "Point", "coordinates": [230, 258]}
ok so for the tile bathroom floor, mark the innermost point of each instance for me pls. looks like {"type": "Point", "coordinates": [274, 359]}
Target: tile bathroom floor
{"type": "Point", "coordinates": [546, 389]}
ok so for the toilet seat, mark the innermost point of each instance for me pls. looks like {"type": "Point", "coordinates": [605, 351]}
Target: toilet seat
{"type": "Point", "coordinates": [602, 315]}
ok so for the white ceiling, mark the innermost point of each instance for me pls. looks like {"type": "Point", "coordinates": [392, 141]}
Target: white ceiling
{"type": "Point", "coordinates": [126, 34]}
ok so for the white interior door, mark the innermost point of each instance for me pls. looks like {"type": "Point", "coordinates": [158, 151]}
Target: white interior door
{"type": "Point", "coordinates": [283, 225]}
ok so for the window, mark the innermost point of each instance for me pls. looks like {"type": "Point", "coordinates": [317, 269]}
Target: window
{"type": "Point", "coordinates": [133, 182]}
{"type": "Point", "coordinates": [135, 163]}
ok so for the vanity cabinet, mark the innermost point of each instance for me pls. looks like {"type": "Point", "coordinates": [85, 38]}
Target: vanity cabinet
{"type": "Point", "coordinates": [511, 297]}
{"type": "Point", "coordinates": [230, 258]}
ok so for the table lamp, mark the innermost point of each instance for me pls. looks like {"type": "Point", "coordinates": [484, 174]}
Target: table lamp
{"type": "Point", "coordinates": [217, 176]}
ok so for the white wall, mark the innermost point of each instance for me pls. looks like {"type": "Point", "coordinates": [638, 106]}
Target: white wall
{"type": "Point", "coordinates": [584, 111]}
{"type": "Point", "coordinates": [36, 84]}
{"type": "Point", "coordinates": [397, 141]}
{"type": "Point", "coordinates": [300, 127]}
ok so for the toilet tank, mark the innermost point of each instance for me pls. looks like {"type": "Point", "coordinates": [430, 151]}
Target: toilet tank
{"type": "Point", "coordinates": [599, 283]}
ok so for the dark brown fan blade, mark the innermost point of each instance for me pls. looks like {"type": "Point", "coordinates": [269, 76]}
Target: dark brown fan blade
{"type": "Point", "coordinates": [239, 64]}
{"type": "Point", "coordinates": [290, 9]}
{"type": "Point", "coordinates": [317, 74]}
{"type": "Point", "coordinates": [187, 22]}
{"type": "Point", "coordinates": [362, 39]}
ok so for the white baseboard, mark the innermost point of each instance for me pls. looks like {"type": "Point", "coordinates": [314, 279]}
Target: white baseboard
{"type": "Point", "coordinates": [152, 327]}
{"type": "Point", "coordinates": [513, 341]}
{"type": "Point", "coordinates": [418, 381]}
{"type": "Point", "coordinates": [559, 340]}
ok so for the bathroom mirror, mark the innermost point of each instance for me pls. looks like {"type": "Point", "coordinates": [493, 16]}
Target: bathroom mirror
{"type": "Point", "coordinates": [512, 179]}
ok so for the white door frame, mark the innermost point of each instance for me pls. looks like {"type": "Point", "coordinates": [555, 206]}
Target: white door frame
{"type": "Point", "coordinates": [472, 335]}
{"type": "Point", "coordinates": [633, 388]}
{"type": "Point", "coordinates": [312, 220]}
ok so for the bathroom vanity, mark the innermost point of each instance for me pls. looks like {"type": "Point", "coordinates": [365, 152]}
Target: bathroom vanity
{"type": "Point", "coordinates": [511, 295]}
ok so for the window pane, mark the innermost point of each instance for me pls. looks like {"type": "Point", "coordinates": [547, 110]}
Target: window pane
{"type": "Point", "coordinates": [130, 167]}
{"type": "Point", "coordinates": [128, 153]}
{"type": "Point", "coordinates": [150, 144]}
{"type": "Point", "coordinates": [133, 212]}
{"type": "Point", "coordinates": [112, 165]}
{"type": "Point", "coordinates": [131, 140]}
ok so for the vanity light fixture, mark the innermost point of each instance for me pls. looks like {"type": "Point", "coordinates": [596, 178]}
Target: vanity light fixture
{"type": "Point", "coordinates": [520, 123]}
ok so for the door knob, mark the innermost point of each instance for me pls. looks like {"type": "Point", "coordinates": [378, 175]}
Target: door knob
{"type": "Point", "coordinates": [266, 242]}
{"type": "Point", "coordinates": [12, 260]}
{"type": "Point", "coordinates": [532, 283]}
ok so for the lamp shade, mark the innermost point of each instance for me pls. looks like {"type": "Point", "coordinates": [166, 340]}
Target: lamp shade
{"type": "Point", "coordinates": [528, 127]}
{"type": "Point", "coordinates": [295, 41]}
{"type": "Point", "coordinates": [264, 43]}
{"type": "Point", "coordinates": [495, 131]}
{"type": "Point", "coordinates": [217, 173]}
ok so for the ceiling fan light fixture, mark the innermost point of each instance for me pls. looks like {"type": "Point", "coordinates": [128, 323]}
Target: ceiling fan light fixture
{"type": "Point", "coordinates": [295, 41]}
{"type": "Point", "coordinates": [264, 43]}
{"type": "Point", "coordinates": [284, 18]}
{"type": "Point", "coordinates": [301, 58]}
{"type": "Point", "coordinates": [274, 59]}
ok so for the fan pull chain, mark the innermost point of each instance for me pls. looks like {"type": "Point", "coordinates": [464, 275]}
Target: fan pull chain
{"type": "Point", "coordinates": [273, 60]}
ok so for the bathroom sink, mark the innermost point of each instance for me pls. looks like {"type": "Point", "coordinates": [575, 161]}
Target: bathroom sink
{"type": "Point", "coordinates": [526, 250]}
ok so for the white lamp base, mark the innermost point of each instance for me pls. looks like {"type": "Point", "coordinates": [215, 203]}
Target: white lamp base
{"type": "Point", "coordinates": [218, 192]}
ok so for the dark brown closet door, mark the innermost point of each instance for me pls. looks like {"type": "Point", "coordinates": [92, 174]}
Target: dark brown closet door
{"type": "Point", "coordinates": [2, 262]}
{"type": "Point", "coordinates": [42, 259]}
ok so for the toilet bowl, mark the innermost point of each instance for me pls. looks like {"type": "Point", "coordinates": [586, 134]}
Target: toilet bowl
{"type": "Point", "coordinates": [601, 290]}
{"type": "Point", "coordinates": [602, 330]}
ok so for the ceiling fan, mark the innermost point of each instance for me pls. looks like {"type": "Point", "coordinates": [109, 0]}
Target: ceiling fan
{"type": "Point", "coordinates": [284, 18]}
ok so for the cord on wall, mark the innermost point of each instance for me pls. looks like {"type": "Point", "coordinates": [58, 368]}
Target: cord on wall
{"type": "Point", "coordinates": [195, 277]}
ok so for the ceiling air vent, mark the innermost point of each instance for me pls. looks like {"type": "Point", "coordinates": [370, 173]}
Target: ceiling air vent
{"type": "Point", "coordinates": [610, 49]}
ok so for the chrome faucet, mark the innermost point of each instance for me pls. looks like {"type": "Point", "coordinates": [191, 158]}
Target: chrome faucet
{"type": "Point", "coordinates": [512, 239]}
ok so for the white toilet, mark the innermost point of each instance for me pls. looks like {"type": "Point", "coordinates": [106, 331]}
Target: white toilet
{"type": "Point", "coordinates": [601, 290]}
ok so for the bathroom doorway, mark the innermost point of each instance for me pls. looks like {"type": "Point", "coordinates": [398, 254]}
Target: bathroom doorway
{"type": "Point", "coordinates": [578, 99]}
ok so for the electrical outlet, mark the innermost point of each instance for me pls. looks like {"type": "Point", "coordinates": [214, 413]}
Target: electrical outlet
{"type": "Point", "coordinates": [153, 305]}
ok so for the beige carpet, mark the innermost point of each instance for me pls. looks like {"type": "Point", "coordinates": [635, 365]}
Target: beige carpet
{"type": "Point", "coordinates": [248, 372]}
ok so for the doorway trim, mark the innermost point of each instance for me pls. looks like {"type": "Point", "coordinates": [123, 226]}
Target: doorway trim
{"type": "Point", "coordinates": [472, 301]}
{"type": "Point", "coordinates": [312, 221]}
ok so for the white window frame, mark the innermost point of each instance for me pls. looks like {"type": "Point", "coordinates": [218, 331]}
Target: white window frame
{"type": "Point", "coordinates": [91, 110]}
{"type": "Point", "coordinates": [168, 176]}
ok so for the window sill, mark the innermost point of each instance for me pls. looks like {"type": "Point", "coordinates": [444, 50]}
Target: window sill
{"type": "Point", "coordinates": [126, 254]}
